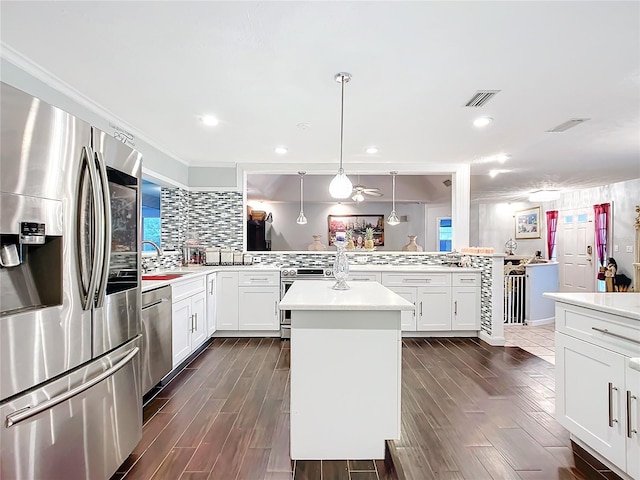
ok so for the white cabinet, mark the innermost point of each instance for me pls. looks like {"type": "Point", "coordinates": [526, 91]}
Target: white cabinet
{"type": "Point", "coordinates": [258, 307]}
{"type": "Point", "coordinates": [444, 301]}
{"type": "Point", "coordinates": [364, 277]}
{"type": "Point", "coordinates": [597, 392]}
{"type": "Point", "coordinates": [189, 321]}
{"type": "Point", "coordinates": [211, 304]}
{"type": "Point", "coordinates": [248, 301]}
{"type": "Point", "coordinates": [227, 301]}
{"type": "Point", "coordinates": [434, 309]}
{"type": "Point", "coordinates": [407, 317]}
{"type": "Point", "coordinates": [589, 397]}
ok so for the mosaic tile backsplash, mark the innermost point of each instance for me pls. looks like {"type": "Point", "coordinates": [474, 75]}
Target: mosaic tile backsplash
{"type": "Point", "coordinates": [218, 220]}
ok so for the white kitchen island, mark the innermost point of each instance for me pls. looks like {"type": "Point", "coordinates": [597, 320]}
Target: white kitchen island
{"type": "Point", "coordinates": [598, 375]}
{"type": "Point", "coordinates": [346, 357]}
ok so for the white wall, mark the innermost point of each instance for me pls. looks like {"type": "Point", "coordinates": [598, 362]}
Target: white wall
{"type": "Point", "coordinates": [288, 235]}
{"type": "Point", "coordinates": [497, 225]}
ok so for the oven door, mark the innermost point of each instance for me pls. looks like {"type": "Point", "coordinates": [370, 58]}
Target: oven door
{"type": "Point", "coordinates": [285, 315]}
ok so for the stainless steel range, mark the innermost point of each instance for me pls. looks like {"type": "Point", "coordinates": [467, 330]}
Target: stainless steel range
{"type": "Point", "coordinates": [287, 277]}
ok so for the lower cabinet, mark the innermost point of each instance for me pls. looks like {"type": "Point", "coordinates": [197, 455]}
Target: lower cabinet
{"type": "Point", "coordinates": [227, 301]}
{"type": "Point", "coordinates": [211, 304]}
{"type": "Point", "coordinates": [444, 302]}
{"type": "Point", "coordinates": [597, 390]}
{"type": "Point", "coordinates": [434, 309]}
{"type": "Point", "coordinates": [248, 301]}
{"type": "Point", "coordinates": [258, 308]}
{"type": "Point", "coordinates": [189, 327]}
{"type": "Point", "coordinates": [407, 317]}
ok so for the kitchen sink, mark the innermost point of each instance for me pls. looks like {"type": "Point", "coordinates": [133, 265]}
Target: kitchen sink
{"type": "Point", "coordinates": [161, 276]}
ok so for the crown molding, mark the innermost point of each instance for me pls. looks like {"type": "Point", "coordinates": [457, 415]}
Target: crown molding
{"type": "Point", "coordinates": [40, 73]}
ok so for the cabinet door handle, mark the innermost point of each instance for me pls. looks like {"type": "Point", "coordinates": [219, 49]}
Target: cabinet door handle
{"type": "Point", "coordinates": [361, 279]}
{"type": "Point", "coordinates": [421, 309]}
{"type": "Point", "coordinates": [211, 288]}
{"type": "Point", "coordinates": [607, 332]}
{"type": "Point", "coordinates": [630, 430]}
{"type": "Point", "coordinates": [275, 311]}
{"type": "Point", "coordinates": [455, 307]}
{"type": "Point", "coordinates": [611, 419]}
{"type": "Point", "coordinates": [467, 280]}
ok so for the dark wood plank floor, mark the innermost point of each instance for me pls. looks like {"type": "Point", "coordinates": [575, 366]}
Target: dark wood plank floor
{"type": "Point", "coordinates": [469, 411]}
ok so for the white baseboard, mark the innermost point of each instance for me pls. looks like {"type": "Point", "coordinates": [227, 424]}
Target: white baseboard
{"type": "Point", "coordinates": [245, 333]}
{"type": "Point", "coordinates": [463, 333]}
{"type": "Point", "coordinates": [493, 341]}
{"type": "Point", "coordinates": [541, 321]}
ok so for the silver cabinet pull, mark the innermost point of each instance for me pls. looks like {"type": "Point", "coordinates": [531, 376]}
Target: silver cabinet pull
{"type": "Point", "coordinates": [455, 307]}
{"type": "Point", "coordinates": [192, 328]}
{"type": "Point", "coordinates": [196, 319]}
{"type": "Point", "coordinates": [362, 279]}
{"type": "Point", "coordinates": [617, 335]}
{"type": "Point", "coordinates": [630, 430]}
{"type": "Point", "coordinates": [275, 312]}
{"type": "Point", "coordinates": [24, 413]}
{"type": "Point", "coordinates": [211, 288]}
{"type": "Point", "coordinates": [413, 280]}
{"type": "Point", "coordinates": [421, 309]}
{"type": "Point", "coordinates": [467, 280]}
{"type": "Point", "coordinates": [611, 419]}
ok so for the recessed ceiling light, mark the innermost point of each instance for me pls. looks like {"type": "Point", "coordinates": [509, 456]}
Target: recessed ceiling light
{"type": "Point", "coordinates": [502, 157]}
{"type": "Point", "coordinates": [372, 150]}
{"type": "Point", "coordinates": [494, 173]}
{"type": "Point", "coordinates": [482, 121]}
{"type": "Point", "coordinates": [280, 150]}
{"type": "Point", "coordinates": [209, 120]}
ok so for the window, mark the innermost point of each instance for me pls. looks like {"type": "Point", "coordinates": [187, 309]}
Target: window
{"type": "Point", "coordinates": [151, 226]}
{"type": "Point", "coordinates": [444, 234]}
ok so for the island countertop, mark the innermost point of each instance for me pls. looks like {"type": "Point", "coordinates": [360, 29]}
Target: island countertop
{"type": "Point", "coordinates": [318, 295]}
{"type": "Point", "coordinates": [624, 304]}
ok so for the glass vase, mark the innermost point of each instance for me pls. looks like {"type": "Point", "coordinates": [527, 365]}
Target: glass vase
{"type": "Point", "coordinates": [341, 267]}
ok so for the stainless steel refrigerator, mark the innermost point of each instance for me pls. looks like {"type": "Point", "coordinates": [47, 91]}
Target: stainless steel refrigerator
{"type": "Point", "coordinates": [70, 389]}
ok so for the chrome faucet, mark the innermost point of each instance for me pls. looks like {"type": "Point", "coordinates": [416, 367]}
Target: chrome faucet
{"type": "Point", "coordinates": [158, 250]}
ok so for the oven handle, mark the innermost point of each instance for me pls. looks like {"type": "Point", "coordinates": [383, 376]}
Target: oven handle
{"type": "Point", "coordinates": [28, 412]}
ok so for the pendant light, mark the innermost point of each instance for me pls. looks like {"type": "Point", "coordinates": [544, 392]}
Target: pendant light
{"type": "Point", "coordinates": [302, 220]}
{"type": "Point", "coordinates": [340, 186]}
{"type": "Point", "coordinates": [393, 217]}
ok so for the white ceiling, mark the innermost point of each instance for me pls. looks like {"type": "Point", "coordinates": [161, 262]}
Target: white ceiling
{"type": "Point", "coordinates": [265, 67]}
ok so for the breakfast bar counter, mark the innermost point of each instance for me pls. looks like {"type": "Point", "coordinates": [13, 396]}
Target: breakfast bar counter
{"type": "Point", "coordinates": [346, 351]}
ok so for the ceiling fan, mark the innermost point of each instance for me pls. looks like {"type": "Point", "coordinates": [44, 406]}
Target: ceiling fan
{"type": "Point", "coordinates": [359, 192]}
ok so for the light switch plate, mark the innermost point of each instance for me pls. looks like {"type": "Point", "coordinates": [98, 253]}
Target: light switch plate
{"type": "Point", "coordinates": [629, 248]}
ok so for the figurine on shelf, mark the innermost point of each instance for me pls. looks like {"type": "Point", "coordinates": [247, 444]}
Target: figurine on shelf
{"type": "Point", "coordinates": [368, 235]}
{"type": "Point", "coordinates": [610, 275]}
{"type": "Point", "coordinates": [350, 245]}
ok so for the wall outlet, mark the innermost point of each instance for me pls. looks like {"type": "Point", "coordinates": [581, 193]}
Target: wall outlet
{"type": "Point", "coordinates": [616, 248]}
{"type": "Point", "coordinates": [629, 248]}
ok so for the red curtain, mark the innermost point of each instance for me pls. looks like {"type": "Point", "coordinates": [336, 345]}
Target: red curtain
{"type": "Point", "coordinates": [552, 226]}
{"type": "Point", "coordinates": [602, 228]}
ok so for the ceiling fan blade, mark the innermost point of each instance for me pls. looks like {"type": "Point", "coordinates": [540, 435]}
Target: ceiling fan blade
{"type": "Point", "coordinates": [374, 192]}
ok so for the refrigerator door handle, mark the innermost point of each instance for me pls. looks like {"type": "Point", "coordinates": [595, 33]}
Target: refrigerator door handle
{"type": "Point", "coordinates": [28, 412]}
{"type": "Point", "coordinates": [87, 162]}
{"type": "Point", "coordinates": [106, 230]}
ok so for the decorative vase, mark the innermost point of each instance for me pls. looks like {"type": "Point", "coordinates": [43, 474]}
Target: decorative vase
{"type": "Point", "coordinates": [316, 245]}
{"type": "Point", "coordinates": [341, 267]}
{"type": "Point", "coordinates": [412, 246]}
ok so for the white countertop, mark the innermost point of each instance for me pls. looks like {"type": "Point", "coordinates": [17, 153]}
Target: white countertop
{"type": "Point", "coordinates": [193, 272]}
{"type": "Point", "coordinates": [625, 304]}
{"type": "Point", "coordinates": [354, 267]}
{"type": "Point", "coordinates": [318, 295]}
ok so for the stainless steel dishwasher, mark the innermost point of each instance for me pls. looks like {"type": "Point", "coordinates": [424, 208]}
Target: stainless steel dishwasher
{"type": "Point", "coordinates": [156, 342]}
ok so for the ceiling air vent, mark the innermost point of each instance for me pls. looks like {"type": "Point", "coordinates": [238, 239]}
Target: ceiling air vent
{"type": "Point", "coordinates": [568, 124]}
{"type": "Point", "coordinates": [481, 97]}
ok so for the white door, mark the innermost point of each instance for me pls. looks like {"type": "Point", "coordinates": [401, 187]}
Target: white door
{"type": "Point", "coordinates": [211, 304]}
{"type": "Point", "coordinates": [407, 317]}
{"type": "Point", "coordinates": [576, 250]}
{"type": "Point", "coordinates": [227, 301]}
{"type": "Point", "coordinates": [466, 308]}
{"type": "Point", "coordinates": [181, 330]}
{"type": "Point", "coordinates": [198, 310]}
{"type": "Point", "coordinates": [434, 309]}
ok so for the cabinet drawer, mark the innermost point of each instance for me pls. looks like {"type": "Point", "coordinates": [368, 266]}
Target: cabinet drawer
{"type": "Point", "coordinates": [259, 278]}
{"type": "Point", "coordinates": [466, 279]}
{"type": "Point", "coordinates": [187, 288]}
{"type": "Point", "coordinates": [364, 277]}
{"type": "Point", "coordinates": [417, 279]}
{"type": "Point", "coordinates": [599, 328]}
